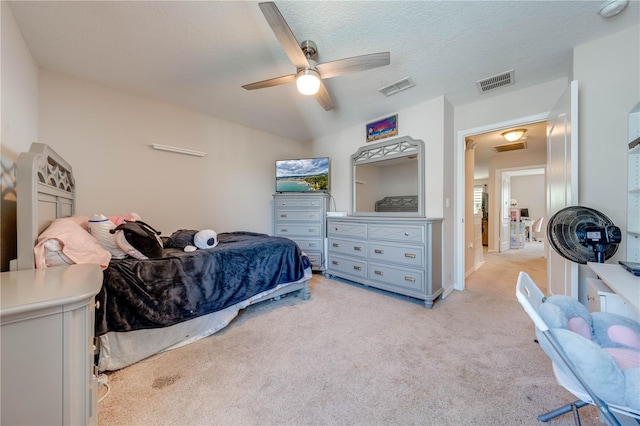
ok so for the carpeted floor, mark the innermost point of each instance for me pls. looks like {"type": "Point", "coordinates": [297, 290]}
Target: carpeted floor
{"type": "Point", "coordinates": [357, 356]}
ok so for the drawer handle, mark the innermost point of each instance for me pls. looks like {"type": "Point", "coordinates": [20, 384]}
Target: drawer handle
{"type": "Point", "coordinates": [406, 234]}
{"type": "Point", "coordinates": [409, 279]}
{"type": "Point", "coordinates": [357, 268]}
{"type": "Point", "coordinates": [335, 262]}
{"type": "Point", "coordinates": [283, 215]}
{"type": "Point", "coordinates": [336, 244]}
{"type": "Point", "coordinates": [312, 230]}
{"type": "Point", "coordinates": [312, 259]}
{"type": "Point", "coordinates": [312, 244]}
{"type": "Point", "coordinates": [378, 251]}
{"type": "Point", "coordinates": [356, 248]}
{"type": "Point", "coordinates": [284, 230]}
{"type": "Point", "coordinates": [97, 304]}
{"type": "Point", "coordinates": [378, 272]}
{"type": "Point", "coordinates": [313, 216]}
{"type": "Point", "coordinates": [410, 255]}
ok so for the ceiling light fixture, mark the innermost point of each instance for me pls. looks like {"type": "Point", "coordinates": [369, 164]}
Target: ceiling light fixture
{"type": "Point", "coordinates": [514, 135]}
{"type": "Point", "coordinates": [612, 7]}
{"type": "Point", "coordinates": [308, 81]}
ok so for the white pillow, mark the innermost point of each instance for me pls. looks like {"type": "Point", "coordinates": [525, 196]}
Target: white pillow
{"type": "Point", "coordinates": [99, 227]}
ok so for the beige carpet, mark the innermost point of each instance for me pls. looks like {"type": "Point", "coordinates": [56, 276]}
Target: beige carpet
{"type": "Point", "coordinates": [352, 355]}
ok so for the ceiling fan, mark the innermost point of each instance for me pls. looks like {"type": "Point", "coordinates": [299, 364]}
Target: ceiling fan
{"type": "Point", "coordinates": [309, 74]}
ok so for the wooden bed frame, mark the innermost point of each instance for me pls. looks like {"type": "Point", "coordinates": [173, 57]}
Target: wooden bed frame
{"type": "Point", "coordinates": [46, 191]}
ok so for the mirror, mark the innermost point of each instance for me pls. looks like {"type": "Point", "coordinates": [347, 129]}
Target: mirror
{"type": "Point", "coordinates": [387, 179]}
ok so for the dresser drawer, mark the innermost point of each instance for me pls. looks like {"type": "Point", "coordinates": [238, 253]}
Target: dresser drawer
{"type": "Point", "coordinates": [345, 229]}
{"type": "Point", "coordinates": [352, 248]}
{"type": "Point", "coordinates": [404, 278]}
{"type": "Point", "coordinates": [308, 245]}
{"type": "Point", "coordinates": [315, 257]}
{"type": "Point", "coordinates": [302, 230]}
{"type": "Point", "coordinates": [298, 202]}
{"type": "Point", "coordinates": [283, 215]}
{"type": "Point", "coordinates": [414, 234]}
{"type": "Point", "coordinates": [344, 265]}
{"type": "Point", "coordinates": [404, 254]}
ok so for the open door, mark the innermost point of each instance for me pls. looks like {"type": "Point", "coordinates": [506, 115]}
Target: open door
{"type": "Point", "coordinates": [562, 183]}
{"type": "Point", "coordinates": [505, 213]}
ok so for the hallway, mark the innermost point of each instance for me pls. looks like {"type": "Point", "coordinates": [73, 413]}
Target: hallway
{"type": "Point", "coordinates": [504, 267]}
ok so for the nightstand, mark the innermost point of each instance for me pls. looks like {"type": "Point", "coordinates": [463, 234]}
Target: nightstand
{"type": "Point", "coordinates": [47, 329]}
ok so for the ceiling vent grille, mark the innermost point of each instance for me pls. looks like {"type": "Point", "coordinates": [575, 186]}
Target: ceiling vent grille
{"type": "Point", "coordinates": [514, 146]}
{"type": "Point", "coordinates": [397, 87]}
{"type": "Point", "coordinates": [506, 78]}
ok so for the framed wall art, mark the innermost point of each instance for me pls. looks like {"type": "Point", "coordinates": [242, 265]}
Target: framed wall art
{"type": "Point", "coordinates": [381, 129]}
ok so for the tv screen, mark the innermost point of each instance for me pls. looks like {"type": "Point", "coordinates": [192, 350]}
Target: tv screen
{"type": "Point", "coordinates": [302, 175]}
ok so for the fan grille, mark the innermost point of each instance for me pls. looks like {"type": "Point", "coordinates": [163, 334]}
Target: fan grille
{"type": "Point", "coordinates": [563, 229]}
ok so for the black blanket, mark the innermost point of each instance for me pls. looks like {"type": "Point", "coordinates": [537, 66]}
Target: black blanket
{"type": "Point", "coordinates": [138, 294]}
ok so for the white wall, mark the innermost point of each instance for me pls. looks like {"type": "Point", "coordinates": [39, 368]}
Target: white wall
{"type": "Point", "coordinates": [607, 71]}
{"type": "Point", "coordinates": [423, 121]}
{"type": "Point", "coordinates": [105, 135]}
{"type": "Point", "coordinates": [531, 194]}
{"type": "Point", "coordinates": [498, 164]}
{"type": "Point", "coordinates": [19, 117]}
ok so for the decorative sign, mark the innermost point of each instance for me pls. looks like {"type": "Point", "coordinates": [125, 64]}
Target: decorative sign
{"type": "Point", "coordinates": [382, 128]}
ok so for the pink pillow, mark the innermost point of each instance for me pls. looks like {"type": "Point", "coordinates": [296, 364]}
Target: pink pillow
{"type": "Point", "coordinates": [120, 219]}
{"type": "Point", "coordinates": [580, 326]}
{"type": "Point", "coordinates": [625, 358]}
{"type": "Point", "coordinates": [75, 243]}
{"type": "Point", "coordinates": [624, 335]}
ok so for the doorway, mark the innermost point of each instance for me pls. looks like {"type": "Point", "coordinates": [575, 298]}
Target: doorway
{"type": "Point", "coordinates": [511, 178]}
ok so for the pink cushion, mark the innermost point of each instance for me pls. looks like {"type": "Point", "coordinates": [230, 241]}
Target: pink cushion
{"type": "Point", "coordinates": [624, 335]}
{"type": "Point", "coordinates": [625, 358]}
{"type": "Point", "coordinates": [580, 326]}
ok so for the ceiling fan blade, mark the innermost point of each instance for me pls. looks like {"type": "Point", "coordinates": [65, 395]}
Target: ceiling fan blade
{"type": "Point", "coordinates": [284, 35]}
{"type": "Point", "coordinates": [324, 98]}
{"type": "Point", "coordinates": [357, 63]}
{"type": "Point", "coordinates": [271, 82]}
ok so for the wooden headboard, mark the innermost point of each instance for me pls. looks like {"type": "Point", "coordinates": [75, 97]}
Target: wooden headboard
{"type": "Point", "coordinates": [45, 190]}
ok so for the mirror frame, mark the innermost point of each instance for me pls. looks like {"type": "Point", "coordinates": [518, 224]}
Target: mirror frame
{"type": "Point", "coordinates": [387, 150]}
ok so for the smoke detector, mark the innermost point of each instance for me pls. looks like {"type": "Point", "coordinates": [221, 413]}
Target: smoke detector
{"type": "Point", "coordinates": [612, 7]}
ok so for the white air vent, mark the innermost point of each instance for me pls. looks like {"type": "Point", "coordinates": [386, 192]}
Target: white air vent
{"type": "Point", "coordinates": [397, 87]}
{"type": "Point", "coordinates": [514, 146]}
{"type": "Point", "coordinates": [506, 78]}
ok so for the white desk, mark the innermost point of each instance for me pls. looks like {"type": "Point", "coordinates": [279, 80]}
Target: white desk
{"type": "Point", "coordinates": [623, 283]}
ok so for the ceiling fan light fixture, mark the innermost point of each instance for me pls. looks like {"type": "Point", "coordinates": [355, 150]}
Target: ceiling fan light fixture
{"type": "Point", "coordinates": [514, 135]}
{"type": "Point", "coordinates": [308, 81]}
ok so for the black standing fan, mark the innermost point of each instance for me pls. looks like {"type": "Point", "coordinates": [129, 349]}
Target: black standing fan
{"type": "Point", "coordinates": [583, 235]}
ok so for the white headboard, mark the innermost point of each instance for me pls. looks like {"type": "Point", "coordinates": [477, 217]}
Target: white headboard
{"type": "Point", "coordinates": [45, 190]}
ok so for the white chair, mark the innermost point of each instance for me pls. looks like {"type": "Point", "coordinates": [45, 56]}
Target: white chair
{"type": "Point", "coordinates": [536, 227]}
{"type": "Point", "coordinates": [567, 375]}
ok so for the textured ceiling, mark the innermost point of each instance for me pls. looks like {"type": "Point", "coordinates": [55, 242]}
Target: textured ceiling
{"type": "Point", "coordinates": [198, 54]}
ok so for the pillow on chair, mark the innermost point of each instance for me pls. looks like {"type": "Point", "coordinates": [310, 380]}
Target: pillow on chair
{"type": "Point", "coordinates": [603, 347]}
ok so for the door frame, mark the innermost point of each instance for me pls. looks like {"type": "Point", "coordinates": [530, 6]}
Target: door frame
{"type": "Point", "coordinates": [459, 188]}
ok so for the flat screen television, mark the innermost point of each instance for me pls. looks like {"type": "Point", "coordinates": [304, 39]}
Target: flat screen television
{"type": "Point", "coordinates": [302, 175]}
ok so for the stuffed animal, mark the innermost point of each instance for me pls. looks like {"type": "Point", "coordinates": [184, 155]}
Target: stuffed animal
{"type": "Point", "coordinates": [191, 240]}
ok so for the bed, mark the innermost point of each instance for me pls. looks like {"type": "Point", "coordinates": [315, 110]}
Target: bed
{"type": "Point", "coordinates": [147, 306]}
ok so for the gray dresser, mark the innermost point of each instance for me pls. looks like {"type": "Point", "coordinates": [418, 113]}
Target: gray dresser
{"type": "Point", "coordinates": [47, 318]}
{"type": "Point", "coordinates": [302, 218]}
{"type": "Point", "coordinates": [402, 255]}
